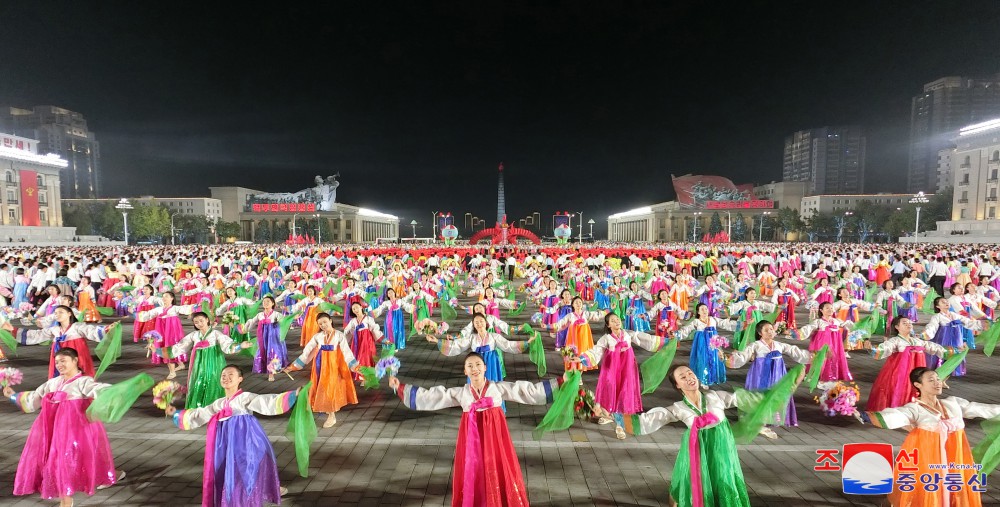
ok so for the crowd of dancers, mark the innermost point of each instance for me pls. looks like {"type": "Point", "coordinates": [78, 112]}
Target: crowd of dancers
{"type": "Point", "coordinates": [346, 307]}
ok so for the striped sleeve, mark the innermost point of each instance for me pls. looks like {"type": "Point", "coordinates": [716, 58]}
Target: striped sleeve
{"type": "Point", "coordinates": [272, 404]}
{"type": "Point", "coordinates": [184, 419]}
{"type": "Point", "coordinates": [435, 398]}
{"type": "Point", "coordinates": [24, 401]}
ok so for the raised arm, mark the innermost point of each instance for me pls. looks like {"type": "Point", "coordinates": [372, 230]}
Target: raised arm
{"type": "Point", "coordinates": [434, 398]}
{"type": "Point", "coordinates": [529, 393]}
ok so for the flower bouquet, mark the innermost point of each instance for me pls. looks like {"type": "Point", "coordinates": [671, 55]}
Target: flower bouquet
{"type": "Point", "coordinates": [165, 392]}
{"type": "Point", "coordinates": [25, 308]}
{"type": "Point", "coordinates": [586, 407]}
{"type": "Point", "coordinates": [780, 327]}
{"type": "Point", "coordinates": [153, 341]}
{"type": "Point", "coordinates": [387, 365]}
{"type": "Point", "coordinates": [230, 319]}
{"type": "Point", "coordinates": [10, 377]}
{"type": "Point", "coordinates": [839, 398]}
{"type": "Point", "coordinates": [718, 342]}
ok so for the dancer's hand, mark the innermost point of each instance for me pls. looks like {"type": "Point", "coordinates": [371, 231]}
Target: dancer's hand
{"type": "Point", "coordinates": [431, 338]}
{"type": "Point", "coordinates": [393, 383]}
{"type": "Point", "coordinates": [867, 344]}
{"type": "Point", "coordinates": [534, 336]}
{"type": "Point", "coordinates": [245, 345]}
{"type": "Point", "coordinates": [8, 391]}
{"type": "Point", "coordinates": [170, 410]}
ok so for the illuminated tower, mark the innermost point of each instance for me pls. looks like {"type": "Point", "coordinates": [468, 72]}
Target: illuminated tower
{"type": "Point", "coordinates": [501, 208]}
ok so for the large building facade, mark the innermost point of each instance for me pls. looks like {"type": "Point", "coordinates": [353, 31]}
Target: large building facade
{"type": "Point", "coordinates": [976, 168]}
{"type": "Point", "coordinates": [840, 203]}
{"type": "Point", "coordinates": [207, 206]}
{"type": "Point", "coordinates": [64, 133]}
{"type": "Point", "coordinates": [346, 223]}
{"type": "Point", "coordinates": [936, 115]}
{"type": "Point", "coordinates": [832, 159]}
{"type": "Point", "coordinates": [30, 183]}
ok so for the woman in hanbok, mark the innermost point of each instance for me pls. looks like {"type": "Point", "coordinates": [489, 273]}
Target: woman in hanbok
{"type": "Point", "coordinates": [707, 471]}
{"type": "Point", "coordinates": [352, 293]}
{"type": "Point", "coordinates": [822, 293]}
{"type": "Point", "coordinates": [563, 308]}
{"type": "Point", "coordinates": [65, 452]}
{"type": "Point", "coordinates": [144, 302]}
{"type": "Point", "coordinates": [85, 302]}
{"type": "Point", "coordinates": [747, 314]}
{"type": "Point", "coordinates": [636, 316]}
{"type": "Point", "coordinates": [484, 343]}
{"type": "Point", "coordinates": [330, 375]}
{"type": "Point", "coordinates": [891, 303]}
{"type": "Point", "coordinates": [947, 328]}
{"type": "Point", "coordinates": [668, 316]}
{"type": "Point", "coordinates": [847, 309]}
{"type": "Point", "coordinates": [363, 333]}
{"type": "Point", "coordinates": [206, 348]}
{"type": "Point", "coordinates": [712, 294]}
{"type": "Point", "coordinates": [240, 307]}
{"type": "Point", "coordinates": [579, 337]}
{"type": "Point", "coordinates": [892, 387]}
{"type": "Point", "coordinates": [937, 439]}
{"type": "Point", "coordinates": [272, 352]}
{"type": "Point", "coordinates": [486, 471]}
{"type": "Point", "coordinates": [827, 330]}
{"type": "Point", "coordinates": [65, 332]}
{"type": "Point", "coordinates": [20, 291]}
{"type": "Point", "coordinates": [706, 357]}
{"type": "Point", "coordinates": [239, 468]}
{"type": "Point", "coordinates": [309, 306]}
{"type": "Point", "coordinates": [785, 299]}
{"type": "Point", "coordinates": [395, 318]}
{"type": "Point", "coordinates": [618, 387]}
{"type": "Point", "coordinates": [168, 325]}
{"type": "Point", "coordinates": [768, 358]}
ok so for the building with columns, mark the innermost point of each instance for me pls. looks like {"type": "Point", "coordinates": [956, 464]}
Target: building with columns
{"type": "Point", "coordinates": [346, 223]}
{"type": "Point", "coordinates": [30, 201]}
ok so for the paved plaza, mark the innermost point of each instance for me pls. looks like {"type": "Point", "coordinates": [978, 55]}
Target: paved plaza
{"type": "Point", "coordinates": [381, 453]}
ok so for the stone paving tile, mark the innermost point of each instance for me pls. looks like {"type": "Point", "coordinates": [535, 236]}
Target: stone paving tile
{"type": "Point", "coordinates": [381, 453]}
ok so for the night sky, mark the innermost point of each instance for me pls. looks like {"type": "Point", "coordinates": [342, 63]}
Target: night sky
{"type": "Point", "coordinates": [590, 105]}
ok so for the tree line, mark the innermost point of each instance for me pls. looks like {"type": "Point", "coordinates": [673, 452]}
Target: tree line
{"type": "Point", "coordinates": [146, 223]}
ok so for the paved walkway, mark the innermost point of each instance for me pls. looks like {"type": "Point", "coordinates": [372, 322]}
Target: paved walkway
{"type": "Point", "coordinates": [381, 453]}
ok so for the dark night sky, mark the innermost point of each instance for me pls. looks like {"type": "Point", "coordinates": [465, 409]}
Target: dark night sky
{"type": "Point", "coordinates": [591, 105]}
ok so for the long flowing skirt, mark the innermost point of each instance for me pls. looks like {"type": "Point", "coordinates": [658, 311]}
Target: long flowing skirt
{"type": "Point", "coordinates": [332, 385]}
{"type": "Point", "coordinates": [500, 483]}
{"type": "Point", "coordinates": [721, 476]}
{"type": "Point", "coordinates": [562, 333]}
{"type": "Point", "coordinates": [140, 328]}
{"type": "Point", "coordinates": [764, 373]}
{"type": "Point", "coordinates": [949, 335]}
{"type": "Point", "coordinates": [309, 325]}
{"type": "Point", "coordinates": [203, 377]}
{"type": "Point", "coordinates": [618, 388]}
{"type": "Point", "coordinates": [580, 338]}
{"type": "Point", "coordinates": [172, 333]}
{"type": "Point", "coordinates": [270, 346]}
{"type": "Point", "coordinates": [88, 308]}
{"type": "Point", "coordinates": [395, 328]}
{"type": "Point", "coordinates": [927, 445]}
{"type": "Point", "coordinates": [246, 474]}
{"type": "Point", "coordinates": [65, 453]}
{"type": "Point", "coordinates": [363, 347]}
{"type": "Point", "coordinates": [835, 367]}
{"type": "Point", "coordinates": [705, 360]}
{"type": "Point", "coordinates": [892, 387]}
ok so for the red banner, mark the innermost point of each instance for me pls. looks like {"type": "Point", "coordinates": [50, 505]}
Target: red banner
{"type": "Point", "coordinates": [754, 204]}
{"type": "Point", "coordinates": [289, 207]}
{"type": "Point", "coordinates": [29, 198]}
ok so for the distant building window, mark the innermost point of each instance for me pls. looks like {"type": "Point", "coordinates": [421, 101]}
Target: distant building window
{"type": "Point", "coordinates": [961, 213]}
{"type": "Point", "coordinates": [9, 176]}
{"type": "Point", "coordinates": [41, 180]}
{"type": "Point", "coordinates": [992, 213]}
{"type": "Point", "coordinates": [43, 217]}
{"type": "Point", "coordinates": [996, 155]}
{"type": "Point", "coordinates": [12, 214]}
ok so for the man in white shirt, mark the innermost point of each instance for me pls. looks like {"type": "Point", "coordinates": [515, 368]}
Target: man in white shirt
{"type": "Point", "coordinates": [937, 271]}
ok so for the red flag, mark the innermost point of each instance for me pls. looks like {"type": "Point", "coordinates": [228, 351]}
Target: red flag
{"type": "Point", "coordinates": [29, 198]}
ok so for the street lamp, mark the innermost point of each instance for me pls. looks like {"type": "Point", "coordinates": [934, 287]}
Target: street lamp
{"type": "Point", "coordinates": [293, 225]}
{"type": "Point", "coordinates": [319, 232]}
{"type": "Point", "coordinates": [591, 222]}
{"type": "Point", "coordinates": [918, 199]}
{"type": "Point", "coordinates": [760, 235]}
{"type": "Point", "coordinates": [581, 227]}
{"type": "Point", "coordinates": [124, 206]}
{"type": "Point", "coordinates": [413, 223]}
{"type": "Point", "coordinates": [434, 224]}
{"type": "Point", "coordinates": [172, 227]}
{"type": "Point", "coordinates": [694, 232]}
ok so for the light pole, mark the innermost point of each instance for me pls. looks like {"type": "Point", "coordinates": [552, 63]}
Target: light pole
{"type": "Point", "coordinates": [581, 227]}
{"type": "Point", "coordinates": [319, 232]}
{"type": "Point", "coordinates": [918, 199]}
{"type": "Point", "coordinates": [760, 235]}
{"type": "Point", "coordinates": [172, 227]}
{"type": "Point", "coordinates": [434, 224]}
{"type": "Point", "coordinates": [123, 205]}
{"type": "Point", "coordinates": [293, 225]}
{"type": "Point", "coordinates": [413, 223]}
{"type": "Point", "coordinates": [729, 228]}
{"type": "Point", "coordinates": [591, 222]}
{"type": "Point", "coordinates": [694, 232]}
